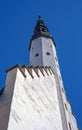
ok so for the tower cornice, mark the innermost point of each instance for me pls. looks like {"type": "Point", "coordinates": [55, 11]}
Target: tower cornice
{"type": "Point", "coordinates": [41, 35]}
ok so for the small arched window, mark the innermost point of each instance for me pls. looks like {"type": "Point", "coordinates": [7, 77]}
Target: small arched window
{"type": "Point", "coordinates": [48, 53]}
{"type": "Point", "coordinates": [36, 54]}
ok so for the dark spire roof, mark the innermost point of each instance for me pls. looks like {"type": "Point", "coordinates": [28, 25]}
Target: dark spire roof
{"type": "Point", "coordinates": [40, 30]}
{"type": "Point", "coordinates": [40, 27]}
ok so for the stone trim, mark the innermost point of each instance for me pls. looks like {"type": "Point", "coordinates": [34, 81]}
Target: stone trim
{"type": "Point", "coordinates": [51, 70]}
{"type": "Point", "coordinates": [41, 68]}
{"type": "Point", "coordinates": [36, 72]}
{"type": "Point", "coordinates": [16, 66]}
{"type": "Point", "coordinates": [41, 35]}
{"type": "Point", "coordinates": [32, 67]}
{"type": "Point", "coordinates": [46, 70]}
{"type": "Point", "coordinates": [28, 70]}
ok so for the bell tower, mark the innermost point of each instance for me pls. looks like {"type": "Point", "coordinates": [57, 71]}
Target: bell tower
{"type": "Point", "coordinates": [42, 46]}
{"type": "Point", "coordinates": [43, 53]}
{"type": "Point", "coordinates": [34, 97]}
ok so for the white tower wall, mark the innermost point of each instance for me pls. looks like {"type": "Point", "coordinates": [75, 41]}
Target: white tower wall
{"type": "Point", "coordinates": [33, 107]}
{"type": "Point", "coordinates": [6, 99]}
{"type": "Point", "coordinates": [43, 44]}
{"type": "Point", "coordinates": [36, 57]}
{"type": "Point", "coordinates": [45, 49]}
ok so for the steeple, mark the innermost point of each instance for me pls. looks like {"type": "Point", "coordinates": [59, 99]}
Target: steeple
{"type": "Point", "coordinates": [42, 46]}
{"type": "Point", "coordinates": [36, 91]}
{"type": "Point", "coordinates": [40, 27]}
{"type": "Point", "coordinates": [41, 30]}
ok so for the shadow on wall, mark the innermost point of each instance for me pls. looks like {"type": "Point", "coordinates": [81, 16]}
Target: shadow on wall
{"type": "Point", "coordinates": [1, 91]}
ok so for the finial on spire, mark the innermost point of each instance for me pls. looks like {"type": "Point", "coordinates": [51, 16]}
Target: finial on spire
{"type": "Point", "coordinates": [39, 16]}
{"type": "Point", "coordinates": [40, 20]}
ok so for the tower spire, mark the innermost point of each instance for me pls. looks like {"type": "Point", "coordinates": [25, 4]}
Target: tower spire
{"type": "Point", "coordinates": [41, 30]}
{"type": "Point", "coordinates": [40, 27]}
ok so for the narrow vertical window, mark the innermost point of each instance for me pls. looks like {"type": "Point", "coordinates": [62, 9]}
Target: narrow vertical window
{"type": "Point", "coordinates": [65, 106]}
{"type": "Point", "coordinates": [57, 66]}
{"type": "Point", "coordinates": [56, 59]}
{"type": "Point", "coordinates": [63, 90]}
{"type": "Point", "coordinates": [70, 126]}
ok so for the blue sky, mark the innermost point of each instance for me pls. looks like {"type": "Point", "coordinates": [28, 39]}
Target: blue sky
{"type": "Point", "coordinates": [64, 21]}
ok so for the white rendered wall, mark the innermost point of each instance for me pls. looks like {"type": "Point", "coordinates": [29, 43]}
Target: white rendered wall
{"type": "Point", "coordinates": [6, 99]}
{"type": "Point", "coordinates": [35, 104]}
{"type": "Point", "coordinates": [36, 48]}
{"type": "Point", "coordinates": [48, 47]}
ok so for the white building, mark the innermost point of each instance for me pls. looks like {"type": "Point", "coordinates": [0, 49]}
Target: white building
{"type": "Point", "coordinates": [34, 97]}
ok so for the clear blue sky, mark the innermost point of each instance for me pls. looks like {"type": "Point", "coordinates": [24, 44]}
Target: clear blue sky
{"type": "Point", "coordinates": [64, 21]}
